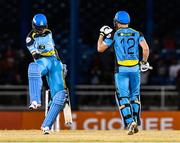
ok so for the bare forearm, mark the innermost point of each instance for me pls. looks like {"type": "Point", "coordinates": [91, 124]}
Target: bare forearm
{"type": "Point", "coordinates": [145, 54]}
{"type": "Point", "coordinates": [101, 47]}
{"type": "Point", "coordinates": [145, 51]}
{"type": "Point", "coordinates": [100, 41]}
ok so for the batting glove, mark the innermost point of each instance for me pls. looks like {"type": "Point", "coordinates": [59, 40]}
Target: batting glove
{"type": "Point", "coordinates": [144, 66]}
{"type": "Point", "coordinates": [106, 31]}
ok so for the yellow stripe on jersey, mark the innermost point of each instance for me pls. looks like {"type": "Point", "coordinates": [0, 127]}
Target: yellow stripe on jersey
{"type": "Point", "coordinates": [47, 54]}
{"type": "Point", "coordinates": [47, 30]}
{"type": "Point", "coordinates": [33, 34]}
{"type": "Point", "coordinates": [128, 62]}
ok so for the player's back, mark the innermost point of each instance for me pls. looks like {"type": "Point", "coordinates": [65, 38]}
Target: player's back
{"type": "Point", "coordinates": [126, 45]}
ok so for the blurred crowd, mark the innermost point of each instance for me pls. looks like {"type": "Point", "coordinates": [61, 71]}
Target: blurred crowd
{"type": "Point", "coordinates": [92, 67]}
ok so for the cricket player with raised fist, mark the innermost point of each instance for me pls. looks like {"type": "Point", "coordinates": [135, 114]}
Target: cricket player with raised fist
{"type": "Point", "coordinates": [126, 42]}
{"type": "Point", "coordinates": [46, 63]}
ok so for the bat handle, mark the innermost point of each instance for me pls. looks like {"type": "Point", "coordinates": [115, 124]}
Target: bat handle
{"type": "Point", "coordinates": [150, 68]}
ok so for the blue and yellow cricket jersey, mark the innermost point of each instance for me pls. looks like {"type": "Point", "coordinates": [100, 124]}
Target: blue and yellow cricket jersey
{"type": "Point", "coordinates": [41, 43]}
{"type": "Point", "coordinates": [126, 45]}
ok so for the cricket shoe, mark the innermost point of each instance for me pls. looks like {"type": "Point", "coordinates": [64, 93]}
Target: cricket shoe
{"type": "Point", "coordinates": [34, 105]}
{"type": "Point", "coordinates": [45, 130]}
{"type": "Point", "coordinates": [131, 128]}
{"type": "Point", "coordinates": [136, 130]}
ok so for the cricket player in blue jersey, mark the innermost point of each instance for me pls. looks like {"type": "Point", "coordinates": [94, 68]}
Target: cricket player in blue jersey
{"type": "Point", "coordinates": [126, 42]}
{"type": "Point", "coordinates": [46, 63]}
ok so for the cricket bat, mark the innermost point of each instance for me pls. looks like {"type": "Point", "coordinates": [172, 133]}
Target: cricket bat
{"type": "Point", "coordinates": [117, 102]}
{"type": "Point", "coordinates": [67, 112]}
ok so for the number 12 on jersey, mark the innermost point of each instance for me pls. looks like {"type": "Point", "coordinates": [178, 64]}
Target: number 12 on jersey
{"type": "Point", "coordinates": [127, 45]}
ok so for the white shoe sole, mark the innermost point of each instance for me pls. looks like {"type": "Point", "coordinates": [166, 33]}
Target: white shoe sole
{"type": "Point", "coordinates": [34, 107]}
{"type": "Point", "coordinates": [45, 130]}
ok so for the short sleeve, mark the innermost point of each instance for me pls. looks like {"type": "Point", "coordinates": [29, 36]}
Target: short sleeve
{"type": "Point", "coordinates": [141, 37]}
{"type": "Point", "coordinates": [30, 44]}
{"type": "Point", "coordinates": [108, 42]}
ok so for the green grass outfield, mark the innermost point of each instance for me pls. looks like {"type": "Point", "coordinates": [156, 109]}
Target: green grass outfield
{"type": "Point", "coordinates": [90, 136]}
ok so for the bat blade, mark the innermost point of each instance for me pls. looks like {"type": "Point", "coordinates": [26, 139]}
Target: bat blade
{"type": "Point", "coordinates": [67, 114]}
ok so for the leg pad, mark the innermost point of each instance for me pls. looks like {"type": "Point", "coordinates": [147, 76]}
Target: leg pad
{"type": "Point", "coordinates": [35, 82]}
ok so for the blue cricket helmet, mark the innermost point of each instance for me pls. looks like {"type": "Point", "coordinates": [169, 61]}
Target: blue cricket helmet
{"type": "Point", "coordinates": [39, 22]}
{"type": "Point", "coordinates": [122, 17]}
